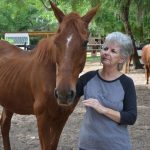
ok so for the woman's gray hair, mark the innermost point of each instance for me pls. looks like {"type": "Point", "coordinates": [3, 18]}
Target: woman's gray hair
{"type": "Point", "coordinates": [123, 41]}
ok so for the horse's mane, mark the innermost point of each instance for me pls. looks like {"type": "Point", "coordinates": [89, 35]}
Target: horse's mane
{"type": "Point", "coordinates": [44, 52]}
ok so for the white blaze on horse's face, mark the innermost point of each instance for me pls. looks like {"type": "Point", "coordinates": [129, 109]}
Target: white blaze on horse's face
{"type": "Point", "coordinates": [69, 40]}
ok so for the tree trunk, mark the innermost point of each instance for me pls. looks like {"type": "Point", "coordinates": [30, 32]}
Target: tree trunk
{"type": "Point", "coordinates": [140, 20]}
{"type": "Point", "coordinates": [125, 5]}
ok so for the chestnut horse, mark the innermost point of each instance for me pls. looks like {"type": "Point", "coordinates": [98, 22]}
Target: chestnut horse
{"type": "Point", "coordinates": [146, 61]}
{"type": "Point", "coordinates": [43, 81]}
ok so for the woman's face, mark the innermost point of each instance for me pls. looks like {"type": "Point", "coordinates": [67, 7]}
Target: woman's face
{"type": "Point", "coordinates": [110, 55]}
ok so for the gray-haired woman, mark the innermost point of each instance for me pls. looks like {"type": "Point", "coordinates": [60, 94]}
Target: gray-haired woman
{"type": "Point", "coordinates": [110, 99]}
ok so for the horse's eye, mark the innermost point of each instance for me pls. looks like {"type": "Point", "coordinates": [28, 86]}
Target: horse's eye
{"type": "Point", "coordinates": [85, 44]}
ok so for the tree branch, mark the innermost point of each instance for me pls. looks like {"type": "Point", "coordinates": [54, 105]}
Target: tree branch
{"type": "Point", "coordinates": [47, 8]}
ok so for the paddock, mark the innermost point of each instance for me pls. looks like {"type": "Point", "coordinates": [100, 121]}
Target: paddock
{"type": "Point", "coordinates": [24, 136]}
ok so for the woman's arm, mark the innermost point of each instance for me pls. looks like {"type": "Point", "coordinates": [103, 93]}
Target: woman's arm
{"type": "Point", "coordinates": [129, 112]}
{"type": "Point", "coordinates": [110, 113]}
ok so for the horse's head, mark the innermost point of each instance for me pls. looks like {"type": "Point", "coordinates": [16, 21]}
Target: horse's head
{"type": "Point", "coordinates": [71, 41]}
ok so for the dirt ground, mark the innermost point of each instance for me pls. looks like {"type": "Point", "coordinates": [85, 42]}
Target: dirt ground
{"type": "Point", "coordinates": [23, 134]}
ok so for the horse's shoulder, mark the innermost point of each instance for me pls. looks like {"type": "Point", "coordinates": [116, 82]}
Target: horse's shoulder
{"type": "Point", "coordinates": [146, 53]}
{"type": "Point", "coordinates": [146, 47]}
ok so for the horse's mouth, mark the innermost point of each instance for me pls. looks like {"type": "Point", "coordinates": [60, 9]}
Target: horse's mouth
{"type": "Point", "coordinates": [64, 103]}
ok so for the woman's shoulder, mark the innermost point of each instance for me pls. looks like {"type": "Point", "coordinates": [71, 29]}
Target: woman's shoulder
{"type": "Point", "coordinates": [84, 78]}
{"type": "Point", "coordinates": [126, 80]}
{"type": "Point", "coordinates": [89, 74]}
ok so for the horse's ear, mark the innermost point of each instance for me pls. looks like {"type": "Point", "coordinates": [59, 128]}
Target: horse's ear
{"type": "Point", "coordinates": [58, 13]}
{"type": "Point", "coordinates": [90, 14]}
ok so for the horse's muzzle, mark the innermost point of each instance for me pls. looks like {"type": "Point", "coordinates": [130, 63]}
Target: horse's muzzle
{"type": "Point", "coordinates": [65, 97]}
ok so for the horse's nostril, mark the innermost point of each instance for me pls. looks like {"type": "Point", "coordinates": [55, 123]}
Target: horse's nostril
{"type": "Point", "coordinates": [71, 94]}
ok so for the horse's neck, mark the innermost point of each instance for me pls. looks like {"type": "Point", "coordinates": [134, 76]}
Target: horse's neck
{"type": "Point", "coordinates": [45, 51]}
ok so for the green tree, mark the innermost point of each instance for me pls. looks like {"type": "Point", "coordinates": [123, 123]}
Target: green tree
{"type": "Point", "coordinates": [29, 15]}
{"type": "Point", "coordinates": [143, 7]}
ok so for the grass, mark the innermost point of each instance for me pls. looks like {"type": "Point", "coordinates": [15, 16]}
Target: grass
{"type": "Point", "coordinates": [93, 59]}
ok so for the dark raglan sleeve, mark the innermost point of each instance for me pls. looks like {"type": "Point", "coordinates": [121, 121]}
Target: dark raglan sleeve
{"type": "Point", "coordinates": [129, 112]}
{"type": "Point", "coordinates": [80, 86]}
{"type": "Point", "coordinates": [82, 81]}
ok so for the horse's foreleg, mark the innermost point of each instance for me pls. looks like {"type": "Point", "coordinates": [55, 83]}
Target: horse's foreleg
{"type": "Point", "coordinates": [56, 130]}
{"type": "Point", "coordinates": [44, 131]}
{"type": "Point", "coordinates": [146, 73]}
{"type": "Point", "coordinates": [5, 127]}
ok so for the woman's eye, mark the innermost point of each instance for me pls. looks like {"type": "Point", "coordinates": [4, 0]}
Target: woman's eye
{"type": "Point", "coordinates": [114, 51]}
{"type": "Point", "coordinates": [105, 48]}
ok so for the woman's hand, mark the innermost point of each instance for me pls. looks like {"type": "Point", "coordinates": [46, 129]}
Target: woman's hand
{"type": "Point", "coordinates": [95, 104]}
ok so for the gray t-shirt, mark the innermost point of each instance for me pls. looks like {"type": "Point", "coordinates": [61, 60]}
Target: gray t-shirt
{"type": "Point", "coordinates": [98, 132]}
